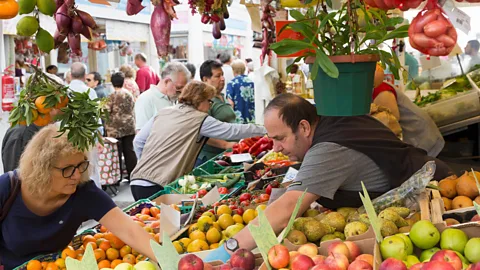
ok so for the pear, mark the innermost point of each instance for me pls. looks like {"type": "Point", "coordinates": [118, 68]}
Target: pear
{"type": "Point", "coordinates": [335, 220]}
{"type": "Point", "coordinates": [355, 228]}
{"type": "Point", "coordinates": [315, 230]}
{"type": "Point", "coordinates": [388, 228]}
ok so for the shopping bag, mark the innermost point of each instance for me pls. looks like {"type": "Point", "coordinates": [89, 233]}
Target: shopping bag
{"type": "Point", "coordinates": [109, 162]}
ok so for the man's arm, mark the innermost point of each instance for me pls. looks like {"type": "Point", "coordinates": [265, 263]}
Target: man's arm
{"type": "Point", "coordinates": [212, 128]}
{"type": "Point", "coordinates": [220, 143]}
{"type": "Point", "coordinates": [141, 138]}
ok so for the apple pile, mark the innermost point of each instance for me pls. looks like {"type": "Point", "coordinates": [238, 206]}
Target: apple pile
{"type": "Point", "coordinates": [143, 265]}
{"type": "Point", "coordinates": [241, 259]}
{"type": "Point", "coordinates": [449, 250]}
{"type": "Point", "coordinates": [341, 256]}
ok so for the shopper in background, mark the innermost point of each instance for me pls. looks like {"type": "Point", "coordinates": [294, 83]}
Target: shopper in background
{"type": "Point", "coordinates": [67, 77]}
{"type": "Point", "coordinates": [54, 198]}
{"type": "Point", "coordinates": [226, 59]}
{"type": "Point", "coordinates": [240, 94]}
{"type": "Point", "coordinates": [211, 73]}
{"type": "Point", "coordinates": [52, 69]}
{"type": "Point", "coordinates": [192, 70]}
{"type": "Point", "coordinates": [129, 82]}
{"type": "Point", "coordinates": [169, 143]}
{"type": "Point", "coordinates": [94, 81]}
{"type": "Point", "coordinates": [412, 64]}
{"type": "Point", "coordinates": [472, 51]}
{"type": "Point", "coordinates": [145, 74]}
{"type": "Point", "coordinates": [121, 121]}
{"type": "Point", "coordinates": [174, 78]}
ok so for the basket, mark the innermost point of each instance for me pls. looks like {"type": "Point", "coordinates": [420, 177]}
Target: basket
{"type": "Point", "coordinates": [42, 258]}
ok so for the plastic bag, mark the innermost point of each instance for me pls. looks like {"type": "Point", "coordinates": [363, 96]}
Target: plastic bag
{"type": "Point", "coordinates": [405, 195]}
{"type": "Point", "coordinates": [431, 32]}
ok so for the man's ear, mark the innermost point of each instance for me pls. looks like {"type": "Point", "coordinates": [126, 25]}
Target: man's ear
{"type": "Point", "coordinates": [305, 127]}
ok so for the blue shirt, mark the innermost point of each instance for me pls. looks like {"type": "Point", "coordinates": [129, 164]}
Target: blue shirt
{"type": "Point", "coordinates": [240, 90]}
{"type": "Point", "coordinates": [24, 235]}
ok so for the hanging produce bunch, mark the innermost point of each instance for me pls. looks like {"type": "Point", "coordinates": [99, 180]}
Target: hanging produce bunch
{"type": "Point", "coordinates": [393, 4]}
{"type": "Point", "coordinates": [431, 32]}
{"type": "Point", "coordinates": [44, 100]}
{"type": "Point", "coordinates": [213, 12]}
{"type": "Point", "coordinates": [268, 28]}
{"type": "Point", "coordinates": [161, 24]}
{"type": "Point", "coordinates": [71, 23]}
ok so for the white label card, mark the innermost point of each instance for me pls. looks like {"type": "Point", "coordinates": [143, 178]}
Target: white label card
{"type": "Point", "coordinates": [211, 197]}
{"type": "Point", "coordinates": [296, 78]}
{"type": "Point", "coordinates": [237, 158]}
{"type": "Point", "coordinates": [459, 19]}
{"type": "Point", "coordinates": [291, 175]}
{"type": "Point", "coordinates": [169, 220]}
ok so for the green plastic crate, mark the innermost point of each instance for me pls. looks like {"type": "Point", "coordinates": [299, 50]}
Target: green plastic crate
{"type": "Point", "coordinates": [128, 208]}
{"type": "Point", "coordinates": [211, 167]}
{"type": "Point", "coordinates": [42, 258]}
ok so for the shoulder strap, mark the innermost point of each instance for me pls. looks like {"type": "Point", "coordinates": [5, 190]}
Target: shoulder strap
{"type": "Point", "coordinates": [14, 189]}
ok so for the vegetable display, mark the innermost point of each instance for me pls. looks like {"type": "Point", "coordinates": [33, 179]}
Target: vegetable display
{"type": "Point", "coordinates": [461, 84]}
{"type": "Point", "coordinates": [254, 146]}
{"type": "Point", "coordinates": [190, 184]}
{"type": "Point", "coordinates": [431, 32]}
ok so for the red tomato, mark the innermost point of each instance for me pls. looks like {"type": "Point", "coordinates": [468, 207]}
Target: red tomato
{"type": "Point", "coordinates": [245, 203]}
{"type": "Point", "coordinates": [275, 184]}
{"type": "Point", "coordinates": [145, 211]}
{"type": "Point", "coordinates": [211, 211]}
{"type": "Point", "coordinates": [232, 206]}
{"type": "Point", "coordinates": [245, 197]}
{"type": "Point", "coordinates": [268, 190]}
{"type": "Point", "coordinates": [256, 201]}
{"type": "Point", "coordinates": [202, 192]}
{"type": "Point", "coordinates": [240, 211]}
{"type": "Point", "coordinates": [264, 197]}
{"type": "Point", "coordinates": [216, 204]}
{"type": "Point", "coordinates": [223, 190]}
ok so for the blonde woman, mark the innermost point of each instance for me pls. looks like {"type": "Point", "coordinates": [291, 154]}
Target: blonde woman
{"type": "Point", "coordinates": [54, 198]}
{"type": "Point", "coordinates": [129, 82]}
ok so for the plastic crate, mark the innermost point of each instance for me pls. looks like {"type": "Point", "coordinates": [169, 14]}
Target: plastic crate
{"type": "Point", "coordinates": [42, 258]}
{"type": "Point", "coordinates": [137, 207]}
{"type": "Point", "coordinates": [212, 167]}
{"type": "Point", "coordinates": [174, 187]}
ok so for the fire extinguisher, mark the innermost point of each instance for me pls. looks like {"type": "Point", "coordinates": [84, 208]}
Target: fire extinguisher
{"type": "Point", "coordinates": [8, 89]}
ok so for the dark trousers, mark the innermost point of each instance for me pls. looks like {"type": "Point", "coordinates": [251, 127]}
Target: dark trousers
{"type": "Point", "coordinates": [125, 148]}
{"type": "Point", "coordinates": [140, 192]}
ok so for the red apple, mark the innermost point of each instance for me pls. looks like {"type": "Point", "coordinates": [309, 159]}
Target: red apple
{"type": "Point", "coordinates": [437, 265]}
{"type": "Point", "coordinates": [448, 256]}
{"type": "Point", "coordinates": [293, 254]}
{"type": "Point", "coordinates": [337, 261]}
{"type": "Point", "coordinates": [366, 257]}
{"type": "Point", "coordinates": [392, 264]}
{"type": "Point", "coordinates": [475, 266]}
{"type": "Point", "coordinates": [321, 266]}
{"type": "Point", "coordinates": [318, 259]}
{"type": "Point", "coordinates": [360, 265]}
{"type": "Point", "coordinates": [417, 266]}
{"type": "Point", "coordinates": [190, 262]}
{"type": "Point", "coordinates": [339, 247]}
{"type": "Point", "coordinates": [225, 266]}
{"type": "Point", "coordinates": [278, 256]}
{"type": "Point", "coordinates": [354, 250]}
{"type": "Point", "coordinates": [308, 249]}
{"type": "Point", "coordinates": [244, 259]}
{"type": "Point", "coordinates": [301, 262]}
{"type": "Point", "coordinates": [476, 218]}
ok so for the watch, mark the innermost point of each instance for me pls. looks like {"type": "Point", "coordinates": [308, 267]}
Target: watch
{"type": "Point", "coordinates": [232, 244]}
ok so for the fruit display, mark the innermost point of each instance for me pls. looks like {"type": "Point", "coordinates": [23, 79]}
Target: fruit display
{"type": "Point", "coordinates": [456, 85]}
{"type": "Point", "coordinates": [8, 9]}
{"type": "Point", "coordinates": [255, 146]}
{"type": "Point", "coordinates": [241, 259]}
{"type": "Point", "coordinates": [431, 32]}
{"type": "Point", "coordinates": [459, 192]}
{"type": "Point", "coordinates": [190, 184]}
{"type": "Point", "coordinates": [427, 247]}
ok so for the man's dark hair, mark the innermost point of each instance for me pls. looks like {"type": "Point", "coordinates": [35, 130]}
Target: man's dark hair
{"type": "Point", "coordinates": [224, 57]}
{"type": "Point", "coordinates": [97, 77]}
{"type": "Point", "coordinates": [141, 56]}
{"type": "Point", "coordinates": [248, 60]}
{"type": "Point", "coordinates": [51, 67]}
{"type": "Point", "coordinates": [191, 68]}
{"type": "Point", "coordinates": [117, 79]}
{"type": "Point", "coordinates": [292, 109]}
{"type": "Point", "coordinates": [474, 44]}
{"type": "Point", "coordinates": [207, 67]}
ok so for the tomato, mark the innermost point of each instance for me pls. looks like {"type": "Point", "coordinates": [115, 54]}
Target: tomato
{"type": "Point", "coordinates": [245, 197]}
{"type": "Point", "coordinates": [216, 204]}
{"type": "Point", "coordinates": [223, 190]}
{"type": "Point", "coordinates": [154, 211]}
{"type": "Point", "coordinates": [212, 211]}
{"type": "Point", "coordinates": [202, 192]}
{"type": "Point", "coordinates": [240, 211]}
{"type": "Point", "coordinates": [275, 184]}
{"type": "Point", "coordinates": [145, 211]}
{"type": "Point", "coordinates": [245, 203]}
{"type": "Point", "coordinates": [194, 196]}
{"type": "Point", "coordinates": [223, 201]}
{"type": "Point", "coordinates": [268, 190]}
{"type": "Point", "coordinates": [264, 197]}
{"type": "Point", "coordinates": [257, 201]}
{"type": "Point", "coordinates": [233, 207]}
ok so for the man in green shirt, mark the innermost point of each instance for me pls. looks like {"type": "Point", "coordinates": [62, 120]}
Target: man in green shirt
{"type": "Point", "coordinates": [211, 73]}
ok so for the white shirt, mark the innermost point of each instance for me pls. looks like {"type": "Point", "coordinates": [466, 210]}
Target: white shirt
{"type": "Point", "coordinates": [228, 75]}
{"type": "Point", "coordinates": [79, 86]}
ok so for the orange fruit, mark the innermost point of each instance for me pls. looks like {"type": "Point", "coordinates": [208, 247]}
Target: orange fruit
{"type": "Point", "coordinates": [99, 254]}
{"type": "Point", "coordinates": [93, 244]}
{"type": "Point", "coordinates": [129, 258]}
{"type": "Point", "coordinates": [69, 252]}
{"type": "Point", "coordinates": [34, 265]}
{"type": "Point", "coordinates": [125, 250]}
{"type": "Point", "coordinates": [135, 253]}
{"type": "Point", "coordinates": [112, 254]}
{"type": "Point", "coordinates": [104, 264]}
{"type": "Point", "coordinates": [44, 265]}
{"type": "Point", "coordinates": [39, 103]}
{"type": "Point", "coordinates": [52, 266]}
{"type": "Point", "coordinates": [80, 257]}
{"type": "Point", "coordinates": [105, 244]}
{"type": "Point", "coordinates": [60, 262]}
{"type": "Point", "coordinates": [43, 120]}
{"type": "Point", "coordinates": [62, 104]}
{"type": "Point", "coordinates": [157, 237]}
{"type": "Point", "coordinates": [79, 252]}
{"type": "Point", "coordinates": [98, 236]}
{"type": "Point", "coordinates": [140, 257]}
{"type": "Point", "coordinates": [115, 263]}
{"type": "Point", "coordinates": [115, 242]}
{"type": "Point", "coordinates": [103, 229]}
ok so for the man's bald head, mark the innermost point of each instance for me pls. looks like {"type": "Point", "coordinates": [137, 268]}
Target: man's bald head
{"type": "Point", "coordinates": [78, 71]}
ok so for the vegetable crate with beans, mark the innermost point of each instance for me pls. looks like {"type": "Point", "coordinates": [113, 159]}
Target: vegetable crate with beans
{"type": "Point", "coordinates": [189, 184]}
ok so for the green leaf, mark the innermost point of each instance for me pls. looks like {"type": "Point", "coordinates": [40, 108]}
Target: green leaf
{"type": "Point", "coordinates": [290, 46]}
{"type": "Point", "coordinates": [297, 15]}
{"type": "Point", "coordinates": [264, 236]}
{"type": "Point", "coordinates": [373, 34]}
{"type": "Point", "coordinates": [330, 16]}
{"type": "Point", "coordinates": [303, 29]}
{"type": "Point", "coordinates": [394, 21]}
{"type": "Point", "coordinates": [400, 32]}
{"type": "Point", "coordinates": [372, 215]}
{"type": "Point", "coordinates": [88, 261]}
{"type": "Point", "coordinates": [295, 210]}
{"type": "Point", "coordinates": [326, 64]}
{"type": "Point", "coordinates": [315, 69]}
{"type": "Point", "coordinates": [166, 254]}
{"type": "Point", "coordinates": [477, 207]}
{"type": "Point", "coordinates": [329, 3]}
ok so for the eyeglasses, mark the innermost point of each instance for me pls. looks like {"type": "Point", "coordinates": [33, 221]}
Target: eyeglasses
{"type": "Point", "coordinates": [67, 172]}
{"type": "Point", "coordinates": [211, 102]}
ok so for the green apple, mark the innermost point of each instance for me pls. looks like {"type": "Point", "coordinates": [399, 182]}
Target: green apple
{"type": "Point", "coordinates": [424, 235]}
{"type": "Point", "coordinates": [144, 265]}
{"type": "Point", "coordinates": [453, 239]}
{"type": "Point", "coordinates": [124, 266]}
{"type": "Point", "coordinates": [408, 242]}
{"type": "Point", "coordinates": [427, 254]}
{"type": "Point", "coordinates": [394, 247]}
{"type": "Point", "coordinates": [472, 250]}
{"type": "Point", "coordinates": [411, 260]}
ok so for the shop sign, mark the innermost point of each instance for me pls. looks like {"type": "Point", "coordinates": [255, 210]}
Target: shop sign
{"type": "Point", "coordinates": [227, 42]}
{"type": "Point", "coordinates": [115, 30]}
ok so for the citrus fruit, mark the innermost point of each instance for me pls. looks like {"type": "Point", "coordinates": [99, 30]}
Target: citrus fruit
{"type": "Point", "coordinates": [115, 263]}
{"type": "Point", "coordinates": [112, 254]}
{"type": "Point", "coordinates": [157, 237]}
{"type": "Point", "coordinates": [225, 220]}
{"type": "Point", "coordinates": [34, 265]}
{"type": "Point", "coordinates": [69, 252]}
{"type": "Point", "coordinates": [197, 245]}
{"type": "Point", "coordinates": [26, 6]}
{"type": "Point", "coordinates": [125, 250]}
{"type": "Point", "coordinates": [197, 235]}
{"type": "Point", "coordinates": [9, 9]}
{"type": "Point", "coordinates": [223, 209]}
{"type": "Point", "coordinates": [103, 229]}
{"type": "Point", "coordinates": [105, 244]}
{"type": "Point", "coordinates": [98, 236]}
{"type": "Point", "coordinates": [249, 215]}
{"type": "Point", "coordinates": [46, 7]}
{"type": "Point", "coordinates": [60, 262]}
{"type": "Point", "coordinates": [237, 218]}
{"type": "Point", "coordinates": [40, 104]}
{"type": "Point", "coordinates": [52, 266]}
{"type": "Point", "coordinates": [214, 246]}
{"type": "Point", "coordinates": [115, 242]}
{"type": "Point", "coordinates": [99, 254]}
{"type": "Point", "coordinates": [140, 258]}
{"type": "Point", "coordinates": [44, 40]}
{"type": "Point", "coordinates": [178, 246]}
{"type": "Point", "coordinates": [213, 236]}
{"type": "Point", "coordinates": [27, 26]}
{"type": "Point", "coordinates": [135, 253]}
{"type": "Point", "coordinates": [104, 264]}
{"type": "Point", "coordinates": [44, 265]}
{"type": "Point", "coordinates": [43, 120]}
{"type": "Point", "coordinates": [129, 258]}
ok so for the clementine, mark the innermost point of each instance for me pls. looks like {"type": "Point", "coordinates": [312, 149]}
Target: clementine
{"type": "Point", "coordinates": [93, 244]}
{"type": "Point", "coordinates": [129, 258]}
{"type": "Point", "coordinates": [103, 229]}
{"type": "Point", "coordinates": [69, 252]}
{"type": "Point", "coordinates": [62, 104]}
{"type": "Point", "coordinates": [99, 254]}
{"type": "Point", "coordinates": [105, 244]}
{"type": "Point", "coordinates": [112, 254]}
{"type": "Point", "coordinates": [115, 263]}
{"type": "Point", "coordinates": [43, 120]}
{"type": "Point", "coordinates": [125, 250]}
{"type": "Point", "coordinates": [140, 258]}
{"type": "Point", "coordinates": [104, 264]}
{"type": "Point", "coordinates": [34, 265]}
{"type": "Point", "coordinates": [40, 104]}
{"type": "Point", "coordinates": [98, 236]}
{"type": "Point", "coordinates": [52, 266]}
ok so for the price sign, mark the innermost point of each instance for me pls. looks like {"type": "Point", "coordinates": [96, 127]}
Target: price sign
{"type": "Point", "coordinates": [458, 18]}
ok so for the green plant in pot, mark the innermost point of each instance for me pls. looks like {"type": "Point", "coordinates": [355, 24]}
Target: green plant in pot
{"type": "Point", "coordinates": [342, 48]}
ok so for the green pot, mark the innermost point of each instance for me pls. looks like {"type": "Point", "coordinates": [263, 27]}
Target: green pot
{"type": "Point", "coordinates": [351, 93]}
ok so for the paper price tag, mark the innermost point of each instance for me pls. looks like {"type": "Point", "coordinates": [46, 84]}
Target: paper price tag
{"type": "Point", "coordinates": [458, 18]}
{"type": "Point", "coordinates": [237, 158]}
{"type": "Point", "coordinates": [211, 197]}
{"type": "Point", "coordinates": [291, 175]}
{"type": "Point", "coordinates": [296, 79]}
